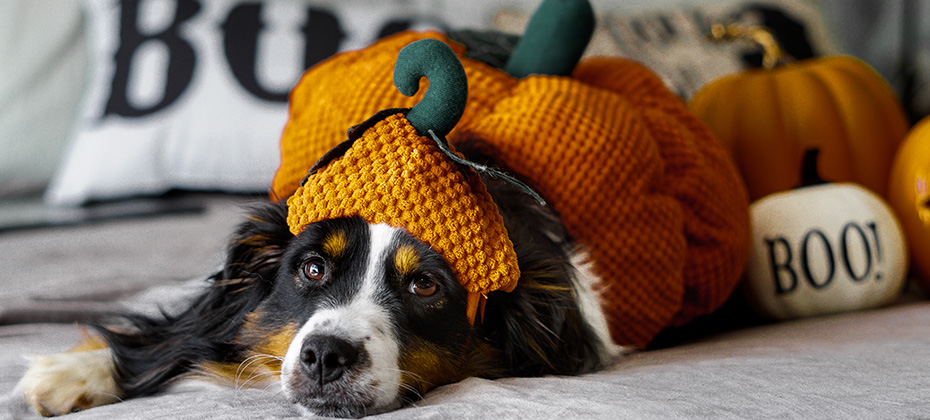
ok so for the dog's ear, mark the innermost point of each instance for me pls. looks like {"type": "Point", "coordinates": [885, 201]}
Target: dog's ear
{"type": "Point", "coordinates": [151, 351]}
{"type": "Point", "coordinates": [258, 244]}
{"type": "Point", "coordinates": [538, 328]}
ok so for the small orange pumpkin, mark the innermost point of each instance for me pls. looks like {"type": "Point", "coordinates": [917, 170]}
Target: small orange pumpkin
{"type": "Point", "coordinates": [767, 118]}
{"type": "Point", "coordinates": [909, 195]}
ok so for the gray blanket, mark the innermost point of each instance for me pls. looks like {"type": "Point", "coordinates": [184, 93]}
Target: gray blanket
{"type": "Point", "coordinates": [872, 364]}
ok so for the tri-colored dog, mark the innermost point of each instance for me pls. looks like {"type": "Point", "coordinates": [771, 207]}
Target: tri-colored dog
{"type": "Point", "coordinates": [354, 318]}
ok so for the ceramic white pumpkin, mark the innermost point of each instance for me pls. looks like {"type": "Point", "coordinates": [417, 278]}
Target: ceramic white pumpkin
{"type": "Point", "coordinates": [824, 249]}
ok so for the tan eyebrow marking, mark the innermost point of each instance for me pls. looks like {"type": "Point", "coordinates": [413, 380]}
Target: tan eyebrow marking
{"type": "Point", "coordinates": [406, 260]}
{"type": "Point", "coordinates": [335, 244]}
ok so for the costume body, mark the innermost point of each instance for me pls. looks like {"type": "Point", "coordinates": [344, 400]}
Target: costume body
{"type": "Point", "coordinates": [637, 180]}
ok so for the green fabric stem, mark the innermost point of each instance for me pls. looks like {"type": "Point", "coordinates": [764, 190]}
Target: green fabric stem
{"type": "Point", "coordinates": [554, 40]}
{"type": "Point", "coordinates": [444, 102]}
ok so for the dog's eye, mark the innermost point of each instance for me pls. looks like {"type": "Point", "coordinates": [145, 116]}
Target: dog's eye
{"type": "Point", "coordinates": [422, 286]}
{"type": "Point", "coordinates": [314, 269]}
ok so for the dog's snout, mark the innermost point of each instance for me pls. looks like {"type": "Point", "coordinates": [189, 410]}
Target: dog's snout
{"type": "Point", "coordinates": [325, 358]}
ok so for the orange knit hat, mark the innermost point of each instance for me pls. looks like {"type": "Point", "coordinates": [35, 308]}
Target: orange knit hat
{"type": "Point", "coordinates": [388, 173]}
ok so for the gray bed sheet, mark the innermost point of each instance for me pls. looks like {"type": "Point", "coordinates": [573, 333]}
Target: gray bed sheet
{"type": "Point", "coordinates": [870, 364]}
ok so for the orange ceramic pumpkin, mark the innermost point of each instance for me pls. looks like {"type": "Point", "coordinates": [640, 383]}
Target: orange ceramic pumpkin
{"type": "Point", "coordinates": [767, 118]}
{"type": "Point", "coordinates": [909, 195]}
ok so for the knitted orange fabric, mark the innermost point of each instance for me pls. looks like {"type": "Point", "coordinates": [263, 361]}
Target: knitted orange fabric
{"type": "Point", "coordinates": [392, 175]}
{"type": "Point", "coordinates": [350, 87]}
{"type": "Point", "coordinates": [636, 178]}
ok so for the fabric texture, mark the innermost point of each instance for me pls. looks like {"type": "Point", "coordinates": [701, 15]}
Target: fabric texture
{"type": "Point", "coordinates": [636, 178]}
{"type": "Point", "coordinates": [393, 175]}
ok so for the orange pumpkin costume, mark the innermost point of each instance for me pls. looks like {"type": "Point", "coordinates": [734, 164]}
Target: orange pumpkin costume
{"type": "Point", "coordinates": [636, 178]}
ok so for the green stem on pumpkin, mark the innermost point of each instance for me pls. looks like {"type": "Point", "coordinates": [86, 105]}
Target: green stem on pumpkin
{"type": "Point", "coordinates": [444, 102]}
{"type": "Point", "coordinates": [554, 40]}
{"type": "Point", "coordinates": [809, 174]}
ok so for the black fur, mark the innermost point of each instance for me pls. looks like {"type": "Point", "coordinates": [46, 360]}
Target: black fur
{"type": "Point", "coordinates": [152, 351]}
{"type": "Point", "coordinates": [538, 326]}
{"type": "Point", "coordinates": [535, 330]}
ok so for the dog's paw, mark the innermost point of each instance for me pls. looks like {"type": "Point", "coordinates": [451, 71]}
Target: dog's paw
{"type": "Point", "coordinates": [69, 382]}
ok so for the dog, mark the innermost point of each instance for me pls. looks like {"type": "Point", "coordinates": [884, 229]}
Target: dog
{"type": "Point", "coordinates": [352, 318]}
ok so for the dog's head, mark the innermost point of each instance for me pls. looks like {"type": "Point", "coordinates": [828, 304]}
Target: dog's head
{"type": "Point", "coordinates": [365, 317]}
{"type": "Point", "coordinates": [358, 318]}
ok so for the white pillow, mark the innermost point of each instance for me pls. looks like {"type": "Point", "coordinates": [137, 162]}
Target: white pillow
{"type": "Point", "coordinates": [204, 125]}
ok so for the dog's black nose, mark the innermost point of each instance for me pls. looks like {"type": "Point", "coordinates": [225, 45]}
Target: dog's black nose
{"type": "Point", "coordinates": [325, 358]}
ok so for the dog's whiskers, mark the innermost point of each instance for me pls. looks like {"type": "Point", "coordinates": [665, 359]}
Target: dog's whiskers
{"type": "Point", "coordinates": [252, 359]}
{"type": "Point", "coordinates": [257, 378]}
{"type": "Point", "coordinates": [255, 372]}
{"type": "Point", "coordinates": [414, 386]}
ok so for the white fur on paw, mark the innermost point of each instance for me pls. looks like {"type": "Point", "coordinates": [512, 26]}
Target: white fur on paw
{"type": "Point", "coordinates": [68, 382]}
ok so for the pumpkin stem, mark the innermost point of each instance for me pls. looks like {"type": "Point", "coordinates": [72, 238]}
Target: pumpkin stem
{"type": "Point", "coordinates": [809, 174]}
{"type": "Point", "coordinates": [444, 102]}
{"type": "Point", "coordinates": [554, 40]}
{"type": "Point", "coordinates": [772, 54]}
